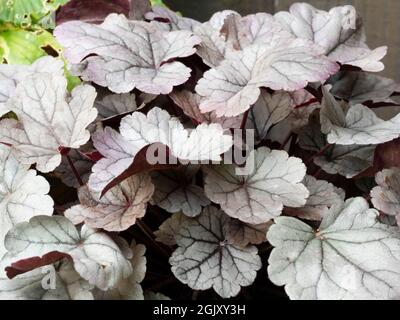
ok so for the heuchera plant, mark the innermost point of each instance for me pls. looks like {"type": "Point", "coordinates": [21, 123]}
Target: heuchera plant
{"type": "Point", "coordinates": [223, 153]}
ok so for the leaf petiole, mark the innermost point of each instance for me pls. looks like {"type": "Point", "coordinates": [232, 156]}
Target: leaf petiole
{"type": "Point", "coordinates": [76, 173]}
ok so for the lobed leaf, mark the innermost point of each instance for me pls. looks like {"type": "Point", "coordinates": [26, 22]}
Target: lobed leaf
{"type": "Point", "coordinates": [30, 286]}
{"type": "Point", "coordinates": [339, 32]}
{"type": "Point", "coordinates": [128, 54]}
{"type": "Point", "coordinates": [205, 259]}
{"type": "Point", "coordinates": [358, 126]}
{"type": "Point", "coordinates": [386, 196]}
{"type": "Point", "coordinates": [129, 289]}
{"type": "Point", "coordinates": [176, 191]}
{"type": "Point", "coordinates": [323, 195]}
{"type": "Point", "coordinates": [274, 182]}
{"type": "Point", "coordinates": [118, 209]}
{"type": "Point", "coordinates": [95, 255]}
{"type": "Point", "coordinates": [49, 120]}
{"type": "Point", "coordinates": [163, 136]}
{"type": "Point", "coordinates": [234, 86]}
{"type": "Point", "coordinates": [23, 194]}
{"type": "Point", "coordinates": [351, 256]}
{"type": "Point", "coordinates": [12, 75]}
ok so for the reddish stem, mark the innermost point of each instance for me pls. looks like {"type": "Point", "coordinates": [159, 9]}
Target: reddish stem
{"type": "Point", "coordinates": [244, 120]}
{"type": "Point", "coordinates": [76, 173]}
{"type": "Point", "coordinates": [319, 153]}
{"type": "Point", "coordinates": [306, 104]}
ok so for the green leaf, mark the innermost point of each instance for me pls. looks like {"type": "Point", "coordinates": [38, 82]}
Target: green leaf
{"type": "Point", "coordinates": [53, 5]}
{"type": "Point", "coordinates": [18, 46]}
{"type": "Point", "coordinates": [2, 51]}
{"type": "Point", "coordinates": [19, 11]}
{"type": "Point", "coordinates": [158, 3]}
{"type": "Point", "coordinates": [24, 12]}
{"type": "Point", "coordinates": [72, 80]}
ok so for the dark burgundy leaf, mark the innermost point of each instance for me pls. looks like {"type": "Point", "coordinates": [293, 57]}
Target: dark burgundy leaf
{"type": "Point", "coordinates": [26, 265]}
{"type": "Point", "coordinates": [93, 11]}
{"type": "Point", "coordinates": [387, 155]}
{"type": "Point", "coordinates": [139, 165]}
